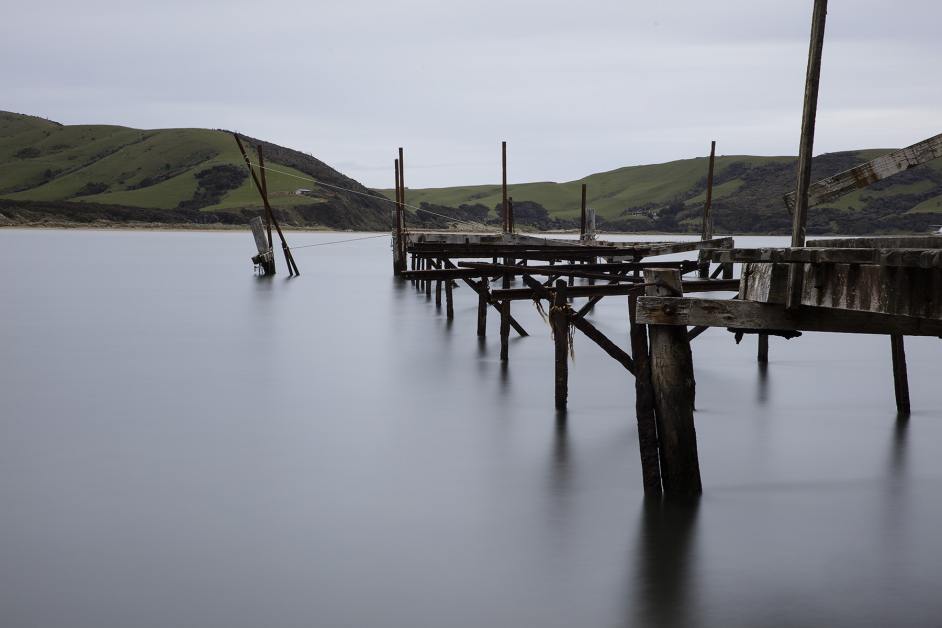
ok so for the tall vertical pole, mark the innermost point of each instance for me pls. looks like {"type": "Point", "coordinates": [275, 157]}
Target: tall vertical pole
{"type": "Point", "coordinates": [402, 202]}
{"type": "Point", "coordinates": [399, 259]}
{"type": "Point", "coordinates": [503, 187]}
{"type": "Point", "coordinates": [707, 227]}
{"type": "Point", "coordinates": [582, 222]}
{"type": "Point", "coordinates": [806, 146]}
{"type": "Point", "coordinates": [809, 112]}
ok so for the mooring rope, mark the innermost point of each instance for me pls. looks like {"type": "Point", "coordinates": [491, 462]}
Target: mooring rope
{"type": "Point", "coordinates": [376, 196]}
{"type": "Point", "coordinates": [304, 246]}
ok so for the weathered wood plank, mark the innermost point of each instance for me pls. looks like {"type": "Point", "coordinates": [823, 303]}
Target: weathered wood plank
{"type": "Point", "coordinates": [861, 176]}
{"type": "Point", "coordinates": [689, 285]}
{"type": "Point", "coordinates": [869, 287]}
{"type": "Point", "coordinates": [913, 257]}
{"type": "Point", "coordinates": [775, 317]}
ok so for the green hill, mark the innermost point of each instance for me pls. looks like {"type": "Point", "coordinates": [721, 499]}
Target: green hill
{"type": "Point", "coordinates": [55, 174]}
{"type": "Point", "coordinates": [747, 197]}
{"type": "Point", "coordinates": [86, 173]}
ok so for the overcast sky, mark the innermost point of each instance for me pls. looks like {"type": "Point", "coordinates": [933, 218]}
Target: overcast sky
{"type": "Point", "coordinates": [574, 87]}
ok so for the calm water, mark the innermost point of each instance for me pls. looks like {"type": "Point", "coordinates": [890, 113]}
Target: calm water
{"type": "Point", "coordinates": [184, 444]}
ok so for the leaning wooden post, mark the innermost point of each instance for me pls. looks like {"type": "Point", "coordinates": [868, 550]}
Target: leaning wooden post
{"type": "Point", "coordinates": [900, 378]}
{"type": "Point", "coordinates": [673, 384]}
{"type": "Point", "coordinates": [559, 321]}
{"type": "Point", "coordinates": [706, 232]}
{"type": "Point", "coordinates": [806, 146]}
{"type": "Point", "coordinates": [763, 353]}
{"type": "Point", "coordinates": [644, 404]}
{"type": "Point", "coordinates": [482, 308]}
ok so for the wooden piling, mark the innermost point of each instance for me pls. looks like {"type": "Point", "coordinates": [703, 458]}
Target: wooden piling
{"type": "Point", "coordinates": [644, 404]}
{"type": "Point", "coordinates": [559, 321]}
{"type": "Point", "coordinates": [503, 187]}
{"type": "Point", "coordinates": [399, 245]}
{"type": "Point", "coordinates": [900, 377]}
{"type": "Point", "coordinates": [438, 293]}
{"type": "Point", "coordinates": [763, 353]}
{"type": "Point", "coordinates": [449, 304]}
{"type": "Point", "coordinates": [482, 309]}
{"type": "Point", "coordinates": [504, 330]}
{"type": "Point", "coordinates": [582, 215]}
{"type": "Point", "coordinates": [672, 381]}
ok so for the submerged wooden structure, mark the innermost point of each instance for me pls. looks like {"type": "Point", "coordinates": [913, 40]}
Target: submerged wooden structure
{"type": "Point", "coordinates": [890, 286]}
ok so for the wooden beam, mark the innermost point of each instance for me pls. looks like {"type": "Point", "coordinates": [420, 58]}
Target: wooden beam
{"type": "Point", "coordinates": [689, 285]}
{"type": "Point", "coordinates": [836, 186]}
{"type": "Point", "coordinates": [773, 317]}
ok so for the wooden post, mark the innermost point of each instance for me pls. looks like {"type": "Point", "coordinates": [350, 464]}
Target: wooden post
{"type": "Point", "coordinates": [900, 378]}
{"type": "Point", "coordinates": [763, 354]}
{"type": "Point", "coordinates": [399, 258]}
{"type": "Point", "coordinates": [559, 321]}
{"type": "Point", "coordinates": [583, 226]}
{"type": "Point", "coordinates": [673, 384]}
{"type": "Point", "coordinates": [402, 203]}
{"type": "Point", "coordinates": [482, 309]}
{"type": "Point", "coordinates": [706, 232]}
{"type": "Point", "coordinates": [504, 330]}
{"type": "Point", "coordinates": [510, 213]}
{"type": "Point", "coordinates": [503, 187]}
{"type": "Point", "coordinates": [449, 304]}
{"type": "Point", "coordinates": [428, 282]}
{"type": "Point", "coordinates": [806, 145]}
{"type": "Point", "coordinates": [644, 404]}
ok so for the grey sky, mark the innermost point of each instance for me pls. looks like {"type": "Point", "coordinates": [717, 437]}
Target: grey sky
{"type": "Point", "coordinates": [574, 87]}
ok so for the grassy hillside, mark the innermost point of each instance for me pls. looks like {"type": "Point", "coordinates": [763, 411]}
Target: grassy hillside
{"type": "Point", "coordinates": [747, 196]}
{"type": "Point", "coordinates": [64, 171]}
{"type": "Point", "coordinates": [50, 173]}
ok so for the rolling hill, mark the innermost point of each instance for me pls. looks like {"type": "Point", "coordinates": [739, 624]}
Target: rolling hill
{"type": "Point", "coordinates": [52, 173]}
{"type": "Point", "coordinates": [81, 174]}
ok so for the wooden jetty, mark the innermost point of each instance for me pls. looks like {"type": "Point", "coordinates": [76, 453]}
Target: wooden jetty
{"type": "Point", "coordinates": [890, 286]}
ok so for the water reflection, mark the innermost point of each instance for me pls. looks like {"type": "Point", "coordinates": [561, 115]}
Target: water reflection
{"type": "Point", "coordinates": [664, 560]}
{"type": "Point", "coordinates": [762, 391]}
